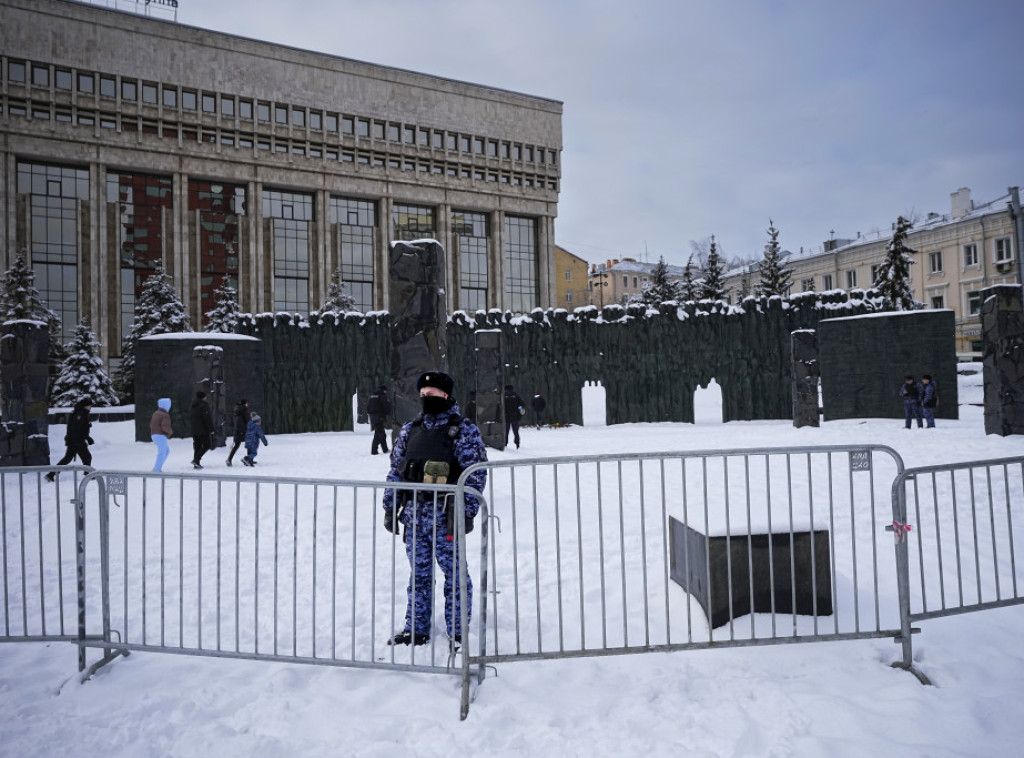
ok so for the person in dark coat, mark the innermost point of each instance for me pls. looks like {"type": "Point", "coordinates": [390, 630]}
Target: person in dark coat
{"type": "Point", "coordinates": [202, 428]}
{"type": "Point", "coordinates": [513, 413]}
{"type": "Point", "coordinates": [911, 394]}
{"type": "Point", "coordinates": [929, 399]}
{"type": "Point", "coordinates": [241, 422]}
{"type": "Point", "coordinates": [538, 404]}
{"type": "Point", "coordinates": [378, 407]}
{"type": "Point", "coordinates": [77, 437]}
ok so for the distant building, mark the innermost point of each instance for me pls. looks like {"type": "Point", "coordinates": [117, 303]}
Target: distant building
{"type": "Point", "coordinates": [959, 254]}
{"type": "Point", "coordinates": [571, 286]}
{"type": "Point", "coordinates": [126, 140]}
{"type": "Point", "coordinates": [616, 281]}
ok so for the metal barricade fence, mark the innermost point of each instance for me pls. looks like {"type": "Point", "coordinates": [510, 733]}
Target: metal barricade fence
{"type": "Point", "coordinates": [297, 570]}
{"type": "Point", "coordinates": [39, 558]}
{"type": "Point", "coordinates": [967, 527]}
{"type": "Point", "coordinates": [600, 555]}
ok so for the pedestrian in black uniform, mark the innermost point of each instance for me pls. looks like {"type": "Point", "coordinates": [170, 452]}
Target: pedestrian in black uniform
{"type": "Point", "coordinates": [378, 407]}
{"type": "Point", "coordinates": [202, 428]}
{"type": "Point", "coordinates": [77, 437]}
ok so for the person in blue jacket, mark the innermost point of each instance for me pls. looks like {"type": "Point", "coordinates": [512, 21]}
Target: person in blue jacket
{"type": "Point", "coordinates": [439, 435]}
{"type": "Point", "coordinates": [911, 394]}
{"type": "Point", "coordinates": [253, 436]}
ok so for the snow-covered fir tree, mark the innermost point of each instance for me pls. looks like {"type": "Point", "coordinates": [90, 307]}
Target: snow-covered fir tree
{"type": "Point", "coordinates": [688, 287]}
{"type": "Point", "coordinates": [224, 316]}
{"type": "Point", "coordinates": [337, 300]}
{"type": "Point", "coordinates": [22, 301]}
{"type": "Point", "coordinates": [776, 279]}
{"type": "Point", "coordinates": [712, 286]}
{"type": "Point", "coordinates": [82, 375]}
{"type": "Point", "coordinates": [893, 282]}
{"type": "Point", "coordinates": [661, 288]}
{"type": "Point", "coordinates": [158, 310]}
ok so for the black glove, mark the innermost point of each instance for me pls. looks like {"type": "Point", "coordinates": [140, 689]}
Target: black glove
{"type": "Point", "coordinates": [389, 520]}
{"type": "Point", "coordinates": [469, 524]}
{"type": "Point", "coordinates": [90, 441]}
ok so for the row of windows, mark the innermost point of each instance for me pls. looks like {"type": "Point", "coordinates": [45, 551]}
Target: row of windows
{"type": "Point", "coordinates": [249, 141]}
{"type": "Point", "coordinates": [131, 91]}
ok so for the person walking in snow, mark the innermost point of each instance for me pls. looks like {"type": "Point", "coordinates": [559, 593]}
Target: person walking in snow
{"type": "Point", "coordinates": [538, 404]}
{"type": "Point", "coordinates": [202, 428]}
{"type": "Point", "coordinates": [514, 411]}
{"type": "Point", "coordinates": [77, 437]}
{"type": "Point", "coordinates": [435, 447]}
{"type": "Point", "coordinates": [253, 436]}
{"type": "Point", "coordinates": [378, 407]}
{"type": "Point", "coordinates": [929, 399]}
{"type": "Point", "coordinates": [241, 423]}
{"type": "Point", "coordinates": [160, 431]}
{"type": "Point", "coordinates": [911, 394]}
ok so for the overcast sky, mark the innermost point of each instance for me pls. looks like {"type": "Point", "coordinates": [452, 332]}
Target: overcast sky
{"type": "Point", "coordinates": [686, 118]}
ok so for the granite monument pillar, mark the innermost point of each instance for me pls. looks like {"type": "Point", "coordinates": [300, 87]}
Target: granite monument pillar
{"type": "Point", "coordinates": [208, 376]}
{"type": "Point", "coordinates": [490, 381]}
{"type": "Point", "coordinates": [805, 378]}
{"type": "Point", "coordinates": [1002, 329]}
{"type": "Point", "coordinates": [418, 321]}
{"type": "Point", "coordinates": [24, 399]}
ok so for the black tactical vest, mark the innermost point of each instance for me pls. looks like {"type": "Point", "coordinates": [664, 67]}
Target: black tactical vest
{"type": "Point", "coordinates": [436, 444]}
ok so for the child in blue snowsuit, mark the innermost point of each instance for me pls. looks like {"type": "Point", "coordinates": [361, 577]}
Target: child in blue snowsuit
{"type": "Point", "coordinates": [253, 435]}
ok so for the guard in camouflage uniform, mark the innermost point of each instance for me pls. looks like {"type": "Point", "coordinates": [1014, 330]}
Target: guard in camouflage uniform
{"type": "Point", "coordinates": [438, 437]}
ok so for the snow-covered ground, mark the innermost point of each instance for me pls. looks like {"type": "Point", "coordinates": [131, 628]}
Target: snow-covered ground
{"type": "Point", "coordinates": [834, 699]}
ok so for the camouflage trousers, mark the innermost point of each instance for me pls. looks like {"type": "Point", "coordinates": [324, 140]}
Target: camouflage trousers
{"type": "Point", "coordinates": [423, 545]}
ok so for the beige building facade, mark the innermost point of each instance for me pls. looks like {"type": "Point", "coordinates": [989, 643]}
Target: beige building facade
{"type": "Point", "coordinates": [128, 141]}
{"type": "Point", "coordinates": [958, 254]}
{"type": "Point", "coordinates": [571, 285]}
{"type": "Point", "coordinates": [617, 281]}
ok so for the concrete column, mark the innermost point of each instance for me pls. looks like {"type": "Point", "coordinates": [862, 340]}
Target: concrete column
{"type": "Point", "coordinates": [496, 278]}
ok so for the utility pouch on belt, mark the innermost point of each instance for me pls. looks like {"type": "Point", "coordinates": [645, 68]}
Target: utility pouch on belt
{"type": "Point", "coordinates": [435, 472]}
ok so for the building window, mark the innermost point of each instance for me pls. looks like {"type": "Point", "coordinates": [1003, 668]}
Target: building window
{"type": "Point", "coordinates": [362, 127]}
{"type": "Point", "coordinates": [41, 76]}
{"type": "Point", "coordinates": [1004, 252]}
{"type": "Point", "coordinates": [217, 207]}
{"type": "Point", "coordinates": [227, 106]}
{"type": "Point", "coordinates": [568, 275]}
{"type": "Point", "coordinates": [280, 114]}
{"type": "Point", "coordinates": [62, 79]}
{"type": "Point", "coordinates": [129, 90]}
{"type": "Point", "coordinates": [807, 285]}
{"type": "Point", "coordinates": [331, 122]}
{"type": "Point", "coordinates": [188, 100]}
{"type": "Point", "coordinates": [16, 71]}
{"type": "Point", "coordinates": [938, 301]}
{"type": "Point", "coordinates": [970, 255]}
{"type": "Point", "coordinates": [86, 83]}
{"type": "Point", "coordinates": [469, 235]}
{"type": "Point", "coordinates": [413, 222]}
{"type": "Point", "coordinates": [149, 92]}
{"type": "Point", "coordinates": [55, 194]}
{"type": "Point", "coordinates": [170, 97]}
{"type": "Point", "coordinates": [316, 121]}
{"type": "Point", "coordinates": [290, 215]}
{"type": "Point", "coordinates": [299, 118]}
{"type": "Point", "coordinates": [141, 202]}
{"type": "Point", "coordinates": [568, 297]}
{"type": "Point", "coordinates": [356, 253]}
{"type": "Point", "coordinates": [874, 274]}
{"type": "Point", "coordinates": [209, 103]}
{"type": "Point", "coordinates": [826, 282]}
{"type": "Point", "coordinates": [935, 262]}
{"type": "Point", "coordinates": [521, 263]}
{"type": "Point", "coordinates": [973, 303]}
{"type": "Point", "coordinates": [625, 282]}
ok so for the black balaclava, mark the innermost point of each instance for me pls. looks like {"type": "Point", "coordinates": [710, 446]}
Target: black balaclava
{"type": "Point", "coordinates": [435, 404]}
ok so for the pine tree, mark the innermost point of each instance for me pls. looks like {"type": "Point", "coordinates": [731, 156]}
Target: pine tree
{"type": "Point", "coordinates": [20, 300]}
{"type": "Point", "coordinates": [82, 375]}
{"type": "Point", "coordinates": [712, 286]}
{"type": "Point", "coordinates": [158, 310]}
{"type": "Point", "coordinates": [893, 283]}
{"type": "Point", "coordinates": [337, 300]}
{"type": "Point", "coordinates": [775, 278]}
{"type": "Point", "coordinates": [661, 289]}
{"type": "Point", "coordinates": [688, 288]}
{"type": "Point", "coordinates": [224, 316]}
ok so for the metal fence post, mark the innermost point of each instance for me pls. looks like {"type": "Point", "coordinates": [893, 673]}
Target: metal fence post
{"type": "Point", "coordinates": [900, 529]}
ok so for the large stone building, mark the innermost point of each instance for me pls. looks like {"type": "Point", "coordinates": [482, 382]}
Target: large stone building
{"type": "Point", "coordinates": [957, 255]}
{"type": "Point", "coordinates": [127, 141]}
{"type": "Point", "coordinates": [618, 281]}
